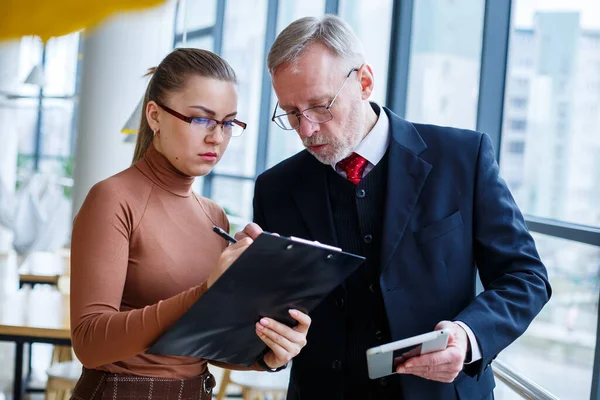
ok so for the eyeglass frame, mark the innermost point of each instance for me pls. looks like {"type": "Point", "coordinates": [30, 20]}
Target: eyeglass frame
{"type": "Point", "coordinates": [299, 114]}
{"type": "Point", "coordinates": [189, 120]}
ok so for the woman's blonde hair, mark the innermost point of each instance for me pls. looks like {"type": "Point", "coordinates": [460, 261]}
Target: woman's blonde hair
{"type": "Point", "coordinates": [170, 76]}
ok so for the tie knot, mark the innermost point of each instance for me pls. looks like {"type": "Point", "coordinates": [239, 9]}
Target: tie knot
{"type": "Point", "coordinates": [354, 165]}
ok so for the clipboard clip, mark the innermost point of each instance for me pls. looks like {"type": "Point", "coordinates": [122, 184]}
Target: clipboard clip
{"type": "Point", "coordinates": [315, 243]}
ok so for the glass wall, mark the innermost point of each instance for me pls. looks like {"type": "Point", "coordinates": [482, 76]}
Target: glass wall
{"type": "Point", "coordinates": [371, 22]}
{"type": "Point", "coordinates": [283, 144]}
{"type": "Point", "coordinates": [550, 158]}
{"type": "Point", "coordinates": [45, 114]}
{"type": "Point", "coordinates": [443, 81]}
{"type": "Point", "coordinates": [551, 132]}
{"type": "Point", "coordinates": [557, 351]}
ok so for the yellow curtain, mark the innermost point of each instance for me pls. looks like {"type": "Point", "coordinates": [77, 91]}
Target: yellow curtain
{"type": "Point", "coordinates": [49, 18]}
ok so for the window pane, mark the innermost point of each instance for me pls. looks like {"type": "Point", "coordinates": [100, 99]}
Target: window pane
{"type": "Point", "coordinates": [60, 72]}
{"type": "Point", "coordinates": [443, 84]}
{"type": "Point", "coordinates": [557, 351]}
{"type": "Point", "coordinates": [195, 14]}
{"type": "Point", "coordinates": [30, 56]}
{"type": "Point", "coordinates": [204, 42]}
{"type": "Point", "coordinates": [56, 167]}
{"type": "Point", "coordinates": [25, 117]}
{"type": "Point", "coordinates": [552, 109]}
{"type": "Point", "coordinates": [243, 48]}
{"type": "Point", "coordinates": [283, 144]}
{"type": "Point", "coordinates": [289, 11]}
{"type": "Point", "coordinates": [198, 185]}
{"type": "Point", "coordinates": [372, 21]}
{"type": "Point", "coordinates": [504, 392]}
{"type": "Point", "coordinates": [57, 127]}
{"type": "Point", "coordinates": [235, 196]}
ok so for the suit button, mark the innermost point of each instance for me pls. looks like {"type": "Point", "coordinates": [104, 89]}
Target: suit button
{"type": "Point", "coordinates": [360, 193]}
{"type": "Point", "coordinates": [372, 288]}
{"type": "Point", "coordinates": [378, 335]}
{"type": "Point", "coordinates": [368, 238]}
{"type": "Point", "coordinates": [383, 382]}
{"type": "Point", "coordinates": [337, 365]}
{"type": "Point", "coordinates": [339, 302]}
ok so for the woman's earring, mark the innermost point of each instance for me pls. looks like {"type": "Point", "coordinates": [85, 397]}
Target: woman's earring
{"type": "Point", "coordinates": [154, 132]}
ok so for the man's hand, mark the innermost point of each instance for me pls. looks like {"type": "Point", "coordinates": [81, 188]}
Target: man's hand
{"type": "Point", "coordinates": [441, 366]}
{"type": "Point", "coordinates": [285, 342]}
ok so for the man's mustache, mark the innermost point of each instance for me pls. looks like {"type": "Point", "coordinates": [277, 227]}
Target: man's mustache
{"type": "Point", "coordinates": [314, 141]}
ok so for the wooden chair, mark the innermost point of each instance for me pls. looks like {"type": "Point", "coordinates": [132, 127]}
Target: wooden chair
{"type": "Point", "coordinates": [62, 378]}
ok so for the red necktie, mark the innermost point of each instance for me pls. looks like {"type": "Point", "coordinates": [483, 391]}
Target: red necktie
{"type": "Point", "coordinates": [354, 165]}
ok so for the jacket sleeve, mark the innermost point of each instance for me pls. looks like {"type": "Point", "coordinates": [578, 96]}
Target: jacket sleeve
{"type": "Point", "coordinates": [514, 278]}
{"type": "Point", "coordinates": [258, 214]}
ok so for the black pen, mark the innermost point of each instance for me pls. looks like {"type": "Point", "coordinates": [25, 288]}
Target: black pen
{"type": "Point", "coordinates": [224, 234]}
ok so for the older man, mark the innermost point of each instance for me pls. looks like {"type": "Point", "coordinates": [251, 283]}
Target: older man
{"type": "Point", "coordinates": [424, 204]}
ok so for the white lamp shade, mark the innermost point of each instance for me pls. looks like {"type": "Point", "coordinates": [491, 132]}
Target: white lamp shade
{"type": "Point", "coordinates": [133, 123]}
{"type": "Point", "coordinates": [36, 76]}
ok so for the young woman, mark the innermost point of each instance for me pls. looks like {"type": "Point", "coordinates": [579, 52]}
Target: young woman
{"type": "Point", "coordinates": [143, 250]}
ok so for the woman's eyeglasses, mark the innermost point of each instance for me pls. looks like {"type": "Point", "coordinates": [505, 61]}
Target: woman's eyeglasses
{"type": "Point", "coordinates": [233, 128]}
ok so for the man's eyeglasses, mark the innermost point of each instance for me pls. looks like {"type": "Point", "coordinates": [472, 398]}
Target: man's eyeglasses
{"type": "Point", "coordinates": [318, 114]}
{"type": "Point", "coordinates": [233, 128]}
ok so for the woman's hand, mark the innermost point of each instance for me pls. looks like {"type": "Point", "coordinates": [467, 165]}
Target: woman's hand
{"type": "Point", "coordinates": [251, 231]}
{"type": "Point", "coordinates": [228, 256]}
{"type": "Point", "coordinates": [285, 342]}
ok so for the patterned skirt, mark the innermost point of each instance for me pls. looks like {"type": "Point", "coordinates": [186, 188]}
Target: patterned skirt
{"type": "Point", "coordinates": [99, 385]}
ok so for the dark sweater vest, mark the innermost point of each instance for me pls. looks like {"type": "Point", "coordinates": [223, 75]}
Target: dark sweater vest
{"type": "Point", "coordinates": [358, 220]}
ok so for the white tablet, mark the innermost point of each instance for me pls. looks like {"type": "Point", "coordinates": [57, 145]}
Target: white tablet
{"type": "Point", "coordinates": [383, 360]}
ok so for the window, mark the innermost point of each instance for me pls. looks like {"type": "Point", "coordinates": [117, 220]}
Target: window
{"type": "Point", "coordinates": [283, 144]}
{"type": "Point", "coordinates": [518, 102]}
{"type": "Point", "coordinates": [235, 196]}
{"type": "Point", "coordinates": [516, 147]}
{"type": "Point", "coordinates": [560, 123]}
{"type": "Point", "coordinates": [518, 124]}
{"type": "Point", "coordinates": [371, 21]}
{"type": "Point", "coordinates": [445, 62]}
{"type": "Point", "coordinates": [195, 14]}
{"type": "Point", "coordinates": [243, 48]}
{"type": "Point", "coordinates": [206, 42]}
{"type": "Point", "coordinates": [557, 351]}
{"type": "Point", "coordinates": [521, 83]}
{"type": "Point", "coordinates": [47, 146]}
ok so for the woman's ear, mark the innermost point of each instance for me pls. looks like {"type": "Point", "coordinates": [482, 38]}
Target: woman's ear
{"type": "Point", "coordinates": [152, 115]}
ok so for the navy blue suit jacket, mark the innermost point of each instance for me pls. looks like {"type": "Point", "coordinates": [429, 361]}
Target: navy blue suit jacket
{"type": "Point", "coordinates": [447, 214]}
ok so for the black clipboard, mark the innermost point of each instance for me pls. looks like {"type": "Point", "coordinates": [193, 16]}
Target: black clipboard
{"type": "Point", "coordinates": [272, 276]}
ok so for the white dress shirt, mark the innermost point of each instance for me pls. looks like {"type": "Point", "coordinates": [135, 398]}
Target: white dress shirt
{"type": "Point", "coordinates": [373, 148]}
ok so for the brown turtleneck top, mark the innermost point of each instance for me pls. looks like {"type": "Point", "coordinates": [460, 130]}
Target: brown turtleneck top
{"type": "Point", "coordinates": [142, 249]}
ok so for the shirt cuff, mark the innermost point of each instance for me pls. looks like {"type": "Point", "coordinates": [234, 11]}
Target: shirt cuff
{"type": "Point", "coordinates": [475, 350]}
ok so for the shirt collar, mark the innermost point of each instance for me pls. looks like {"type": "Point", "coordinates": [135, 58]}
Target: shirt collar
{"type": "Point", "coordinates": [375, 144]}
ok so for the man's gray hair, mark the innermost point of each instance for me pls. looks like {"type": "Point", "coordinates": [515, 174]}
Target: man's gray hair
{"type": "Point", "coordinates": [332, 31]}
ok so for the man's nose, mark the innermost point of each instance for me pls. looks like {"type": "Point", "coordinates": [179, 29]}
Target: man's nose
{"type": "Point", "coordinates": [306, 127]}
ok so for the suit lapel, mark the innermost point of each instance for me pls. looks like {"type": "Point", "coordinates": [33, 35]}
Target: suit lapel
{"type": "Point", "coordinates": [311, 196]}
{"type": "Point", "coordinates": [407, 173]}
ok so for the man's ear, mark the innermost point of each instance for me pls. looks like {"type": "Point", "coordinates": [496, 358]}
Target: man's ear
{"type": "Point", "coordinates": [152, 115]}
{"type": "Point", "coordinates": [367, 81]}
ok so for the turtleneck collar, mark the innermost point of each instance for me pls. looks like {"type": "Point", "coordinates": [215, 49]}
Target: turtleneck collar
{"type": "Point", "coordinates": [160, 171]}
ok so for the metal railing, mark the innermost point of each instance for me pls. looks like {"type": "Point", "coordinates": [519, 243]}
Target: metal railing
{"type": "Point", "coordinates": [520, 384]}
